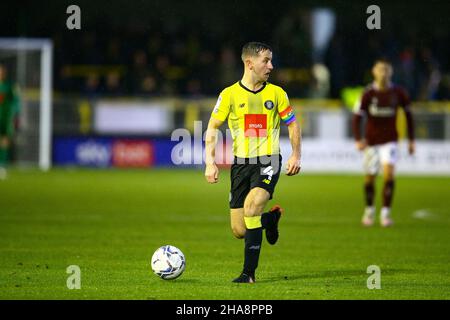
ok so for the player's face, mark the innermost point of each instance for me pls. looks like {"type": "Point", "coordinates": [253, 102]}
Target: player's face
{"type": "Point", "coordinates": [382, 72]}
{"type": "Point", "coordinates": [262, 65]}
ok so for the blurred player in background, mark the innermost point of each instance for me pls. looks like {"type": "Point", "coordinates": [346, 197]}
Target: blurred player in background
{"type": "Point", "coordinates": [379, 105]}
{"type": "Point", "coordinates": [254, 109]}
{"type": "Point", "coordinates": [9, 109]}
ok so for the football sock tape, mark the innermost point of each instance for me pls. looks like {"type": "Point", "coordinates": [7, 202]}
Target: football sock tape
{"type": "Point", "coordinates": [253, 222]}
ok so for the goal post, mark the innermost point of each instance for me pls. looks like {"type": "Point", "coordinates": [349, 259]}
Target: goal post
{"type": "Point", "coordinates": [24, 58]}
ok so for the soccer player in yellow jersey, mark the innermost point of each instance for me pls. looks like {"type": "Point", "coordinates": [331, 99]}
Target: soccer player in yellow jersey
{"type": "Point", "coordinates": [254, 108]}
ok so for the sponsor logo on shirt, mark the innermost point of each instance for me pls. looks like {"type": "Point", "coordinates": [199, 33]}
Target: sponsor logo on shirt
{"type": "Point", "coordinates": [377, 111]}
{"type": "Point", "coordinates": [255, 125]}
{"type": "Point", "coordinates": [380, 111]}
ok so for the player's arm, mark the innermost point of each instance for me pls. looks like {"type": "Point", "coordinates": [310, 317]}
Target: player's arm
{"type": "Point", "coordinates": [293, 165]}
{"type": "Point", "coordinates": [218, 116]}
{"type": "Point", "coordinates": [287, 115]}
{"type": "Point", "coordinates": [211, 170]}
{"type": "Point", "coordinates": [358, 114]}
{"type": "Point", "coordinates": [406, 103]}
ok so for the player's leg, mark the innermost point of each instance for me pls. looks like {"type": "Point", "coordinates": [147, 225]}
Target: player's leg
{"type": "Point", "coordinates": [266, 178]}
{"type": "Point", "coordinates": [388, 194]}
{"type": "Point", "coordinates": [4, 147]}
{"type": "Point", "coordinates": [369, 197]}
{"type": "Point", "coordinates": [237, 222]}
{"type": "Point", "coordinates": [371, 167]}
{"type": "Point", "coordinates": [254, 205]}
{"type": "Point", "coordinates": [240, 187]}
{"type": "Point", "coordinates": [6, 133]}
{"type": "Point", "coordinates": [388, 155]}
{"type": "Point", "coordinates": [269, 221]}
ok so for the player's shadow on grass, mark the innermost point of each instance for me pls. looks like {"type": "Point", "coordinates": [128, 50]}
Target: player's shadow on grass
{"type": "Point", "coordinates": [339, 275]}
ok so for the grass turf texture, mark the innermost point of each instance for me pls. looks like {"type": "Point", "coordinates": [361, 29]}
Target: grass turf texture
{"type": "Point", "coordinates": [110, 222]}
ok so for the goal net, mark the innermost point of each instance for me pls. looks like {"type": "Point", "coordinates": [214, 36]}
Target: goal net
{"type": "Point", "coordinates": [29, 67]}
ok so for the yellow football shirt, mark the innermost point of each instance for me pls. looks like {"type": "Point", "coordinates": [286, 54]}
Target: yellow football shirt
{"type": "Point", "coordinates": [254, 118]}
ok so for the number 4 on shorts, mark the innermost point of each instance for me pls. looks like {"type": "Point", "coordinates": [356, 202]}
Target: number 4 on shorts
{"type": "Point", "coordinates": [269, 172]}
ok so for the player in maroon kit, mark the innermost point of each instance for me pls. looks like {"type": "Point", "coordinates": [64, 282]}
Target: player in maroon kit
{"type": "Point", "coordinates": [379, 104]}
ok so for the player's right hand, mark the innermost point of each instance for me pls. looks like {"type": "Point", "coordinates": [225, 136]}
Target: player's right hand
{"type": "Point", "coordinates": [212, 173]}
{"type": "Point", "coordinates": [361, 145]}
{"type": "Point", "coordinates": [293, 166]}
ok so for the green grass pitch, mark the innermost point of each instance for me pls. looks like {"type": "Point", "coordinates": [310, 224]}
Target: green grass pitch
{"type": "Point", "coordinates": [109, 222]}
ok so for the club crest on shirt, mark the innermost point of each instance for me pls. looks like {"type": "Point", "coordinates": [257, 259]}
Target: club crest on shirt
{"type": "Point", "coordinates": [269, 104]}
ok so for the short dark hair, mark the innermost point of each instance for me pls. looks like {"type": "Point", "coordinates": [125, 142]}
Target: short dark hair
{"type": "Point", "coordinates": [253, 49]}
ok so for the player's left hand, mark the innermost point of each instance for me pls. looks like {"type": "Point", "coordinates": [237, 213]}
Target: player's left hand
{"type": "Point", "coordinates": [212, 173]}
{"type": "Point", "coordinates": [293, 166]}
{"type": "Point", "coordinates": [412, 147]}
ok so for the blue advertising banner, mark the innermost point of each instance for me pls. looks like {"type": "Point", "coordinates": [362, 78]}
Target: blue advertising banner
{"type": "Point", "coordinates": [106, 152]}
{"type": "Point", "coordinates": [90, 152]}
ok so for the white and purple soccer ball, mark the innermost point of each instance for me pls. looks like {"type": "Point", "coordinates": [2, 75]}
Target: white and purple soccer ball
{"type": "Point", "coordinates": [168, 262]}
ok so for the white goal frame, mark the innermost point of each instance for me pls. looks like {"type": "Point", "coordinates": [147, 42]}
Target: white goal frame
{"type": "Point", "coordinates": [45, 46]}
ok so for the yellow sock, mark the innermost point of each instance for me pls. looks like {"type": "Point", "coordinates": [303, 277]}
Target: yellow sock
{"type": "Point", "coordinates": [253, 222]}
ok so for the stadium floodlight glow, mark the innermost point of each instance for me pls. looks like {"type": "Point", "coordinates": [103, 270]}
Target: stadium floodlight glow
{"type": "Point", "coordinates": [45, 48]}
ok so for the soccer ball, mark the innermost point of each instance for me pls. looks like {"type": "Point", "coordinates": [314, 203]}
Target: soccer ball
{"type": "Point", "coordinates": [168, 262]}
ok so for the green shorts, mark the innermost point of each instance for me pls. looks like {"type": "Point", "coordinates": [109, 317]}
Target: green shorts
{"type": "Point", "coordinates": [249, 173]}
